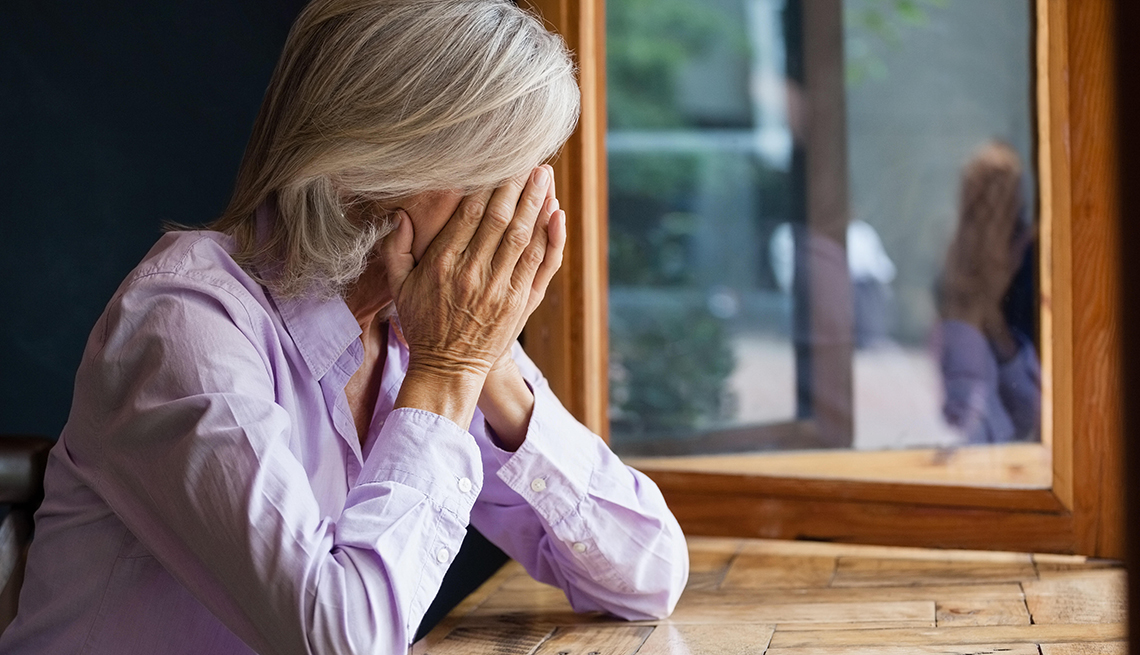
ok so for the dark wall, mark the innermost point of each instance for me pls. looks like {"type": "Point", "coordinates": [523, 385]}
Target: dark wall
{"type": "Point", "coordinates": [115, 116]}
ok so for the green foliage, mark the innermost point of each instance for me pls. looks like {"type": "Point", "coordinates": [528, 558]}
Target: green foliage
{"type": "Point", "coordinates": [649, 231]}
{"type": "Point", "coordinates": [648, 42]}
{"type": "Point", "coordinates": [667, 375]}
{"type": "Point", "coordinates": [670, 362]}
{"type": "Point", "coordinates": [876, 25]}
{"type": "Point", "coordinates": [669, 365]}
{"type": "Point", "coordinates": [670, 177]}
{"type": "Point", "coordinates": [657, 258]}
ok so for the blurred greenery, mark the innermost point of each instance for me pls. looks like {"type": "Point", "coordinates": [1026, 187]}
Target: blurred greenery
{"type": "Point", "coordinates": [667, 370]}
{"type": "Point", "coordinates": [649, 236]}
{"type": "Point", "coordinates": [648, 44]}
{"type": "Point", "coordinates": [667, 374]}
{"type": "Point", "coordinates": [671, 177]}
{"type": "Point", "coordinates": [875, 25]}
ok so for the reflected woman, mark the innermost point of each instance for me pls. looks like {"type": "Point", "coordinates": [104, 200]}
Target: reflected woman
{"type": "Point", "coordinates": [990, 368]}
{"type": "Point", "coordinates": [283, 425]}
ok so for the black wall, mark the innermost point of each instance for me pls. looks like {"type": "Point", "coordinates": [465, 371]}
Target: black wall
{"type": "Point", "coordinates": [115, 116]}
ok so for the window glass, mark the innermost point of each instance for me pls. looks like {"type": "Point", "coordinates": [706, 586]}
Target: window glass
{"type": "Point", "coordinates": [822, 224]}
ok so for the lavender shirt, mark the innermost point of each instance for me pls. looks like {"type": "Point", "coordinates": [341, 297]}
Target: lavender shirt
{"type": "Point", "coordinates": [210, 494]}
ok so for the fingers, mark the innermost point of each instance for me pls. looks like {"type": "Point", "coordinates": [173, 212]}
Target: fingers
{"type": "Point", "coordinates": [533, 260]}
{"type": "Point", "coordinates": [508, 225]}
{"type": "Point", "coordinates": [463, 224]}
{"type": "Point", "coordinates": [397, 250]}
{"type": "Point", "coordinates": [505, 233]}
{"type": "Point", "coordinates": [553, 235]}
{"type": "Point", "coordinates": [534, 209]}
{"type": "Point", "coordinates": [550, 192]}
{"type": "Point", "coordinates": [552, 259]}
{"type": "Point", "coordinates": [497, 217]}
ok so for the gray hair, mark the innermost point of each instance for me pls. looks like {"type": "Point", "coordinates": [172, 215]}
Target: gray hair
{"type": "Point", "coordinates": [377, 100]}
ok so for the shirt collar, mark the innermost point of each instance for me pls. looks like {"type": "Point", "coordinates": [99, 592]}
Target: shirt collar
{"type": "Point", "coordinates": [321, 328]}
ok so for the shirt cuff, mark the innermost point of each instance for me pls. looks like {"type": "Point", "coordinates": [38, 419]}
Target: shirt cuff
{"type": "Point", "coordinates": [552, 468]}
{"type": "Point", "coordinates": [431, 454]}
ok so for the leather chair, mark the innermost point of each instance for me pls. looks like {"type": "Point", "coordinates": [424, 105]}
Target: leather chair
{"type": "Point", "coordinates": [23, 459]}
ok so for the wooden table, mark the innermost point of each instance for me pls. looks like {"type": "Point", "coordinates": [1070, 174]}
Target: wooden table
{"type": "Point", "coordinates": [802, 598]}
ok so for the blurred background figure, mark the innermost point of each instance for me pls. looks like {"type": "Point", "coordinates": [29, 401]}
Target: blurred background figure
{"type": "Point", "coordinates": [990, 369]}
{"type": "Point", "coordinates": [871, 271]}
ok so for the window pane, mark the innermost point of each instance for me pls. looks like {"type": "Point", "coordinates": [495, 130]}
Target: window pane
{"type": "Point", "coordinates": [821, 238]}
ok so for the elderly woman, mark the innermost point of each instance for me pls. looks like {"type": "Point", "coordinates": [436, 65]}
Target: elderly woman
{"type": "Point", "coordinates": [261, 457]}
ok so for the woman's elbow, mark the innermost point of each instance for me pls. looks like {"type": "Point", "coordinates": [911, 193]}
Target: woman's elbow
{"type": "Point", "coordinates": [660, 581]}
{"type": "Point", "coordinates": [676, 573]}
{"type": "Point", "coordinates": [352, 609]}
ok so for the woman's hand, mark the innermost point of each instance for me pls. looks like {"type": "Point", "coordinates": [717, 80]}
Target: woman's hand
{"type": "Point", "coordinates": [506, 400]}
{"type": "Point", "coordinates": [552, 231]}
{"type": "Point", "coordinates": [463, 304]}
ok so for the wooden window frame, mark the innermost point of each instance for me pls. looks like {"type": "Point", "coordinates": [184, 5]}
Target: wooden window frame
{"type": "Point", "coordinates": [1081, 511]}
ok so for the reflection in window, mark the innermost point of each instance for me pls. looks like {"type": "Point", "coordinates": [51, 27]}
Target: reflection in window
{"type": "Point", "coordinates": [791, 220]}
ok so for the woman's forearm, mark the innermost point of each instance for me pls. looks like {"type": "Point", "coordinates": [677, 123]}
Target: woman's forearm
{"type": "Point", "coordinates": [451, 394]}
{"type": "Point", "coordinates": [507, 403]}
{"type": "Point", "coordinates": [567, 509]}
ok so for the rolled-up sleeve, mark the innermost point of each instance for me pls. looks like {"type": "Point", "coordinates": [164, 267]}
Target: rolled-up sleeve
{"type": "Point", "coordinates": [200, 463]}
{"type": "Point", "coordinates": [567, 509]}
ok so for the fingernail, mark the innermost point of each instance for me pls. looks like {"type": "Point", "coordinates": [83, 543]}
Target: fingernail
{"type": "Point", "coordinates": [553, 206]}
{"type": "Point", "coordinates": [540, 176]}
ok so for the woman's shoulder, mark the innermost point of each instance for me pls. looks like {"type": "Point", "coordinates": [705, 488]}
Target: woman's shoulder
{"type": "Point", "coordinates": [185, 251]}
{"type": "Point", "coordinates": [184, 265]}
{"type": "Point", "coordinates": [195, 259]}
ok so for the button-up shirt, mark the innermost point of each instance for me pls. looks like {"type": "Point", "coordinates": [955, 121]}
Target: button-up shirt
{"type": "Point", "coordinates": [210, 493]}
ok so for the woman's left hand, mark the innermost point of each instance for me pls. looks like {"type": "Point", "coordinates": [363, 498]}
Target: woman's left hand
{"type": "Point", "coordinates": [549, 233]}
{"type": "Point", "coordinates": [505, 400]}
{"type": "Point", "coordinates": [463, 304]}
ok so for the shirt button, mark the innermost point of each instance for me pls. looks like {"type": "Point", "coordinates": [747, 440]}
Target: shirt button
{"type": "Point", "coordinates": [464, 485]}
{"type": "Point", "coordinates": [442, 556]}
{"type": "Point", "coordinates": [538, 485]}
{"type": "Point", "coordinates": [579, 547]}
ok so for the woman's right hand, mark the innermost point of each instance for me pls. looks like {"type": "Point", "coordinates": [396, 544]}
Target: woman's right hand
{"type": "Point", "coordinates": [460, 306]}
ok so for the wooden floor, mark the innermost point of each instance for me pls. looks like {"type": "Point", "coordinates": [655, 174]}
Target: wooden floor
{"type": "Point", "coordinates": [798, 598]}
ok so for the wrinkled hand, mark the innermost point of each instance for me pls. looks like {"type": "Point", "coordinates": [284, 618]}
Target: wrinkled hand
{"type": "Point", "coordinates": [462, 306]}
{"type": "Point", "coordinates": [555, 236]}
